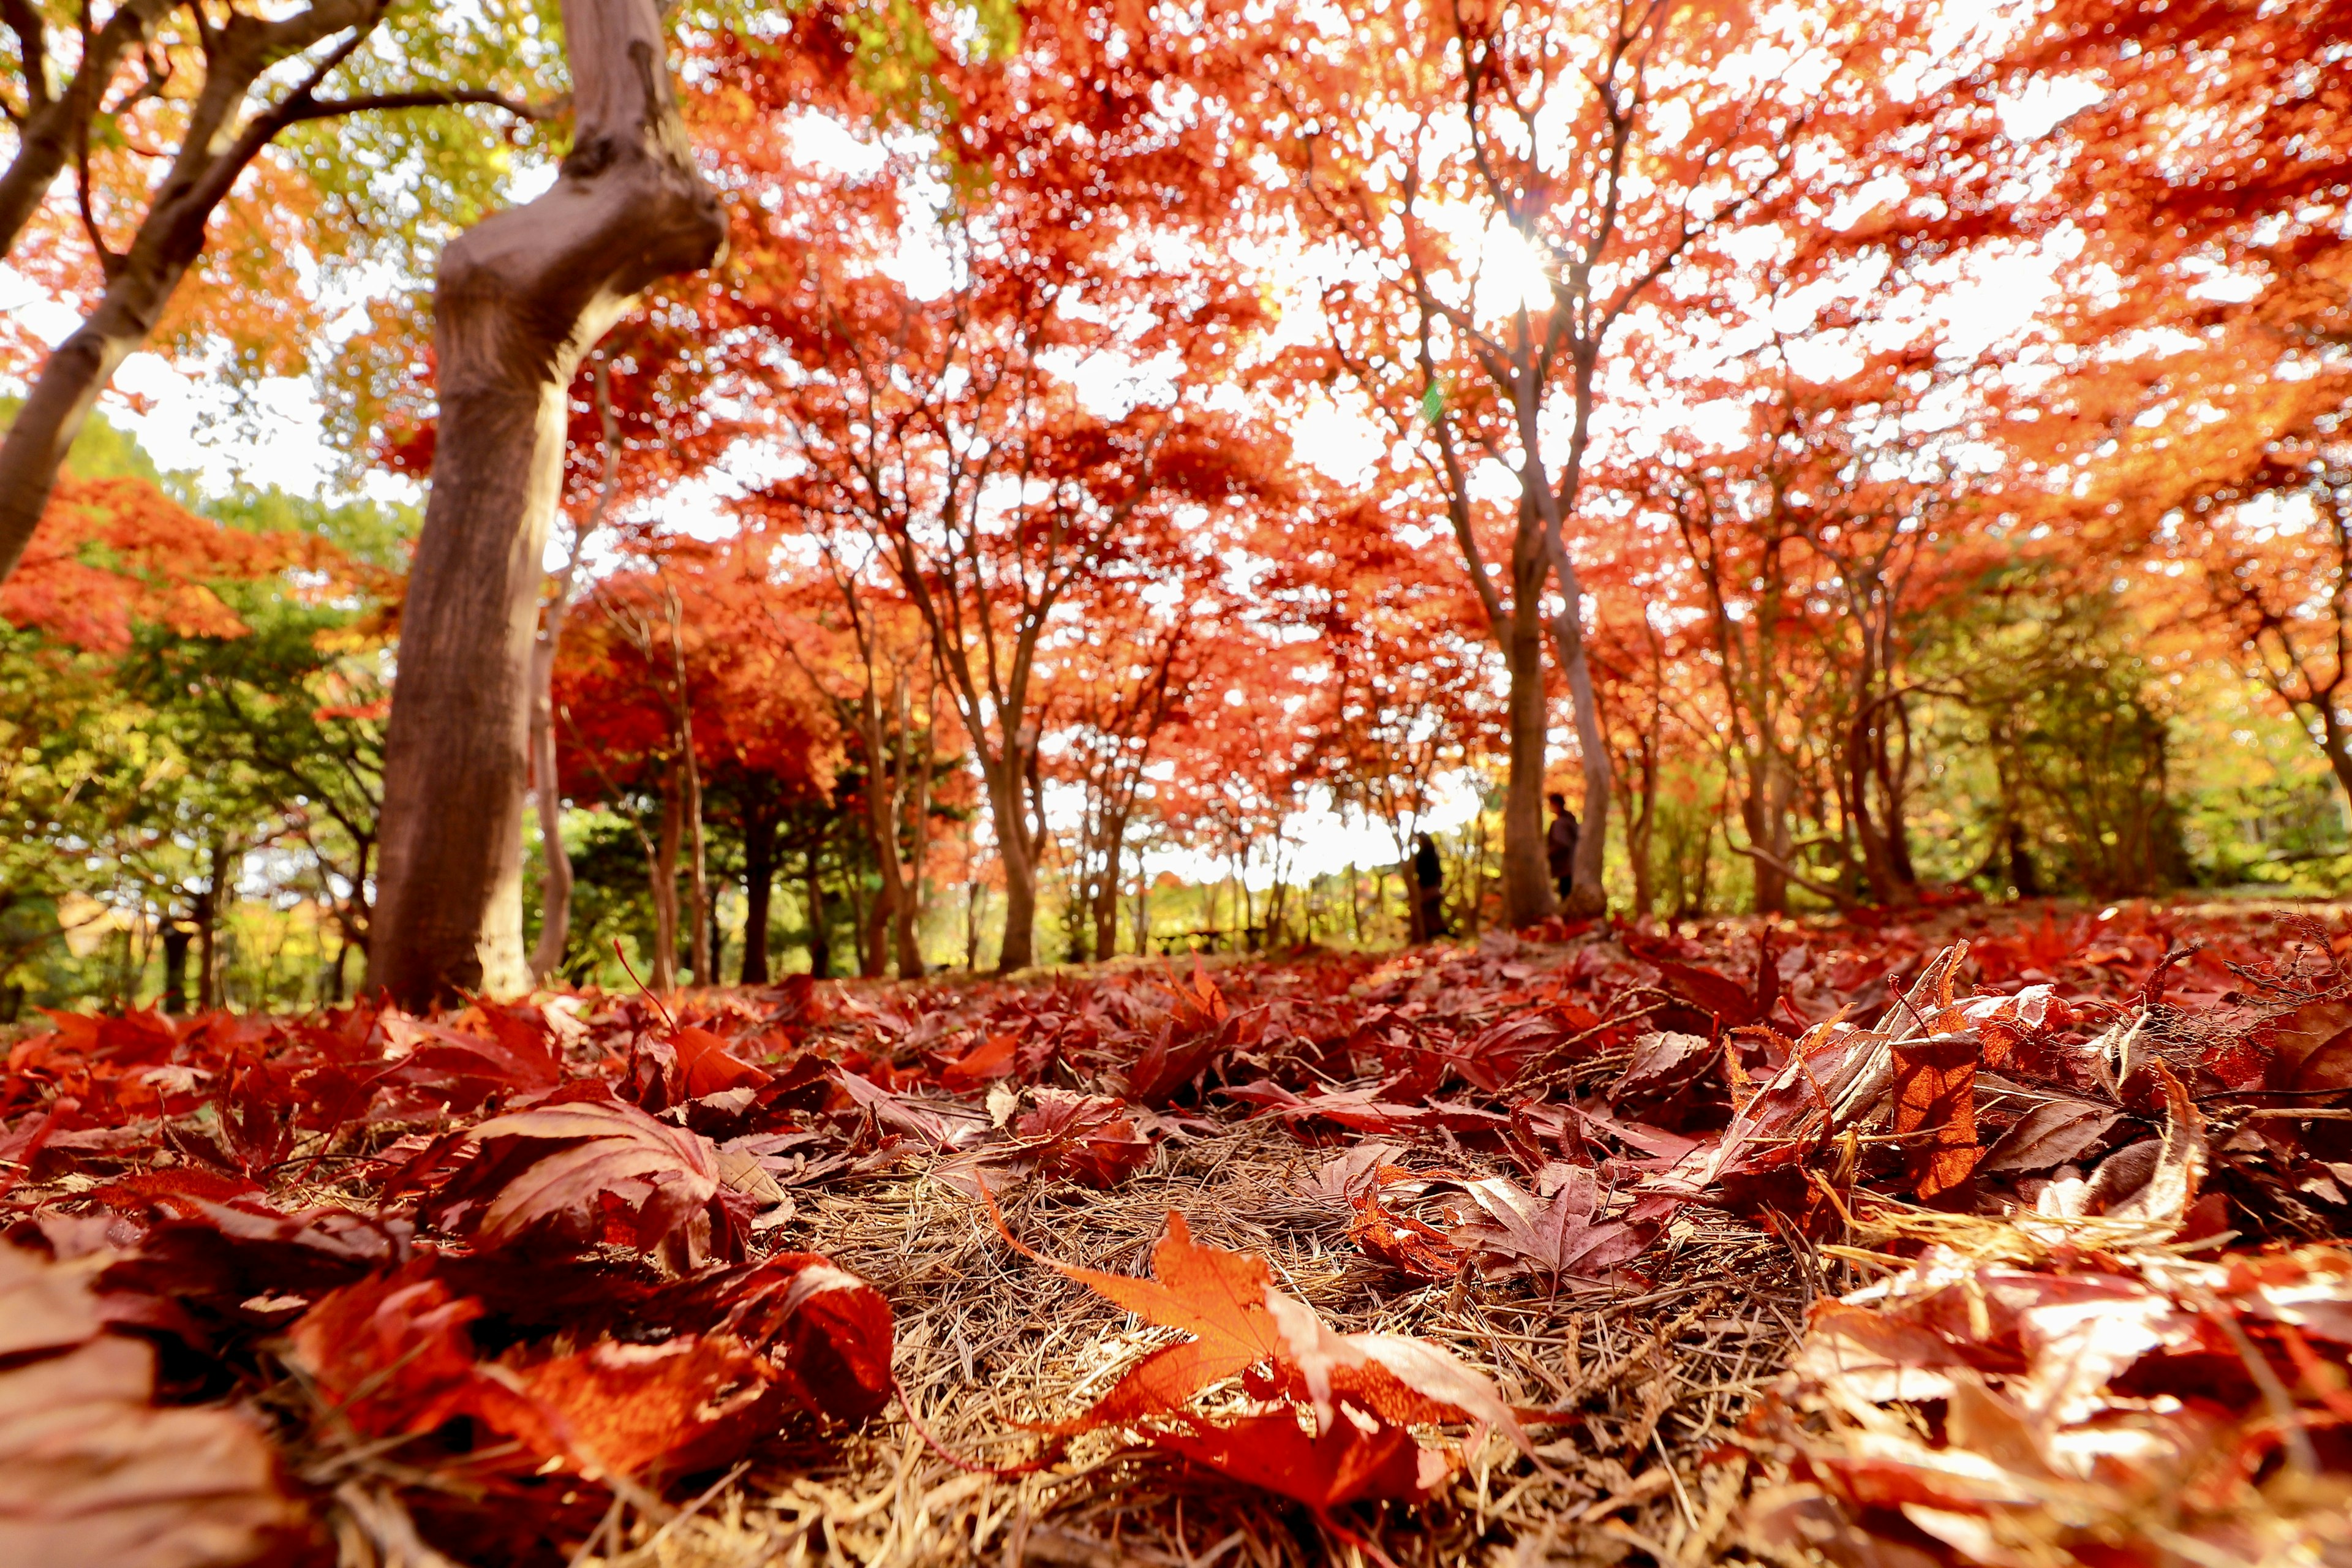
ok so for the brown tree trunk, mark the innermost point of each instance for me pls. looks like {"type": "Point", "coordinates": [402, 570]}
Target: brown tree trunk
{"type": "Point", "coordinates": [555, 861]}
{"type": "Point", "coordinates": [664, 871]}
{"type": "Point", "coordinates": [555, 880]}
{"type": "Point", "coordinates": [698, 882]}
{"type": "Point", "coordinates": [1105, 891]}
{"type": "Point", "coordinates": [521, 297]}
{"type": "Point", "coordinates": [1765, 813]}
{"type": "Point", "coordinates": [1010, 812]}
{"type": "Point", "coordinates": [207, 916]}
{"type": "Point", "coordinates": [882, 796]}
{"type": "Point", "coordinates": [910, 904]}
{"type": "Point", "coordinates": [1586, 895]}
{"type": "Point", "coordinates": [759, 885]}
{"type": "Point", "coordinates": [1527, 896]}
{"type": "Point", "coordinates": [820, 941]}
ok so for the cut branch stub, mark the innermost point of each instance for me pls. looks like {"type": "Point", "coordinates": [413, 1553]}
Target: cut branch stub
{"type": "Point", "coordinates": [521, 297]}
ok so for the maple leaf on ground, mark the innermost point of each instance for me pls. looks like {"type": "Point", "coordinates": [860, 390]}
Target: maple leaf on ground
{"type": "Point", "coordinates": [1090, 1137]}
{"type": "Point", "coordinates": [1346, 1177]}
{"type": "Point", "coordinates": [567, 1170]}
{"type": "Point", "coordinates": [91, 1471]}
{"type": "Point", "coordinates": [1662, 1066]}
{"type": "Point", "coordinates": [1228, 1301]}
{"type": "Point", "coordinates": [1560, 1239]}
{"type": "Point", "coordinates": [1345, 1464]}
{"type": "Point", "coordinates": [392, 1356]}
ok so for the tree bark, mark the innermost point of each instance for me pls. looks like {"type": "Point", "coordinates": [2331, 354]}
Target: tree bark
{"type": "Point", "coordinates": [555, 880]}
{"type": "Point", "coordinates": [1009, 810]}
{"type": "Point", "coordinates": [1105, 889]}
{"type": "Point", "coordinates": [698, 882]}
{"type": "Point", "coordinates": [520, 297]}
{"type": "Point", "coordinates": [1527, 895]}
{"type": "Point", "coordinates": [909, 929]}
{"type": "Point", "coordinates": [176, 938]}
{"type": "Point", "coordinates": [820, 941]}
{"type": "Point", "coordinates": [759, 886]}
{"type": "Point", "coordinates": [664, 871]}
{"type": "Point", "coordinates": [206, 914]}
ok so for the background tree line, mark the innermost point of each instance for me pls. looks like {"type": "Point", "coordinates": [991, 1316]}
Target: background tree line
{"type": "Point", "coordinates": [1857, 452]}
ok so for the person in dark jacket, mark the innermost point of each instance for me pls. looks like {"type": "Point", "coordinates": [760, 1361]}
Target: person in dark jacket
{"type": "Point", "coordinates": [1429, 882]}
{"type": "Point", "coordinates": [1559, 844]}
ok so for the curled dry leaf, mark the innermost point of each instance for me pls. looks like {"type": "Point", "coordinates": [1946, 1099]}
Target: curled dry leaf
{"type": "Point", "coordinates": [394, 1357]}
{"type": "Point", "coordinates": [94, 1474]}
{"type": "Point", "coordinates": [570, 1172]}
{"type": "Point", "coordinates": [2076, 1409]}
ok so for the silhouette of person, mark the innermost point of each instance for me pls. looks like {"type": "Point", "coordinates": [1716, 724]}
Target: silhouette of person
{"type": "Point", "coordinates": [1559, 844]}
{"type": "Point", "coordinates": [1429, 879]}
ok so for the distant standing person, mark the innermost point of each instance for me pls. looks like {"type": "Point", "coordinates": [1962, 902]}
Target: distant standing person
{"type": "Point", "coordinates": [1559, 844]}
{"type": "Point", "coordinates": [1429, 879]}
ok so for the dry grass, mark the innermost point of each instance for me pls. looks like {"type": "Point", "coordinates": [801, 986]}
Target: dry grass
{"type": "Point", "coordinates": [989, 1339]}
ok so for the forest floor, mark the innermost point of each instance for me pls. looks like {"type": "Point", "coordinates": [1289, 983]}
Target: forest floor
{"type": "Point", "coordinates": [1821, 1240]}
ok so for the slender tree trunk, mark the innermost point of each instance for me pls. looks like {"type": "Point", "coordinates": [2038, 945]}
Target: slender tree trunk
{"type": "Point", "coordinates": [820, 939]}
{"type": "Point", "coordinates": [176, 938]}
{"type": "Point", "coordinates": [207, 914]}
{"type": "Point", "coordinates": [1106, 909]}
{"type": "Point", "coordinates": [1765, 815]}
{"type": "Point", "coordinates": [882, 836]}
{"type": "Point", "coordinates": [664, 870]}
{"type": "Point", "coordinates": [521, 297]}
{"type": "Point", "coordinates": [1527, 896]}
{"type": "Point", "coordinates": [555, 879]}
{"type": "Point", "coordinates": [759, 887]}
{"type": "Point", "coordinates": [1010, 812]}
{"type": "Point", "coordinates": [1587, 895]}
{"type": "Point", "coordinates": [1142, 908]}
{"type": "Point", "coordinates": [874, 935]}
{"type": "Point", "coordinates": [698, 880]}
{"type": "Point", "coordinates": [909, 931]}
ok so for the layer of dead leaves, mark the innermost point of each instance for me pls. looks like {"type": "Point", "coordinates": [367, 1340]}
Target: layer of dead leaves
{"type": "Point", "coordinates": [363, 1285]}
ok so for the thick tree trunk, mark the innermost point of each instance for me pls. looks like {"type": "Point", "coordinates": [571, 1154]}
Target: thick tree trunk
{"type": "Point", "coordinates": [1008, 810]}
{"type": "Point", "coordinates": [521, 297]}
